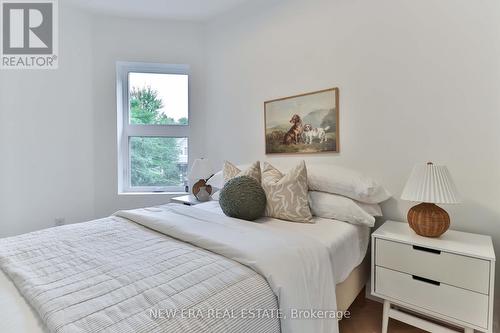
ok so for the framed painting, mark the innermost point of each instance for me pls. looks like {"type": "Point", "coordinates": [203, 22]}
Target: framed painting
{"type": "Point", "coordinates": [306, 123]}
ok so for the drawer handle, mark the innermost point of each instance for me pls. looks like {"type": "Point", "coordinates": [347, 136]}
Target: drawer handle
{"type": "Point", "coordinates": [418, 278]}
{"type": "Point", "coordinates": [425, 249]}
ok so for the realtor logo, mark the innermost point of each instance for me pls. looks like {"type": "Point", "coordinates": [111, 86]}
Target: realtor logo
{"type": "Point", "coordinates": [29, 34]}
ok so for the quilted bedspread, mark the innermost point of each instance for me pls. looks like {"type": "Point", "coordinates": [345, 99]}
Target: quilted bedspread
{"type": "Point", "coordinates": [113, 275]}
{"type": "Point", "coordinates": [172, 268]}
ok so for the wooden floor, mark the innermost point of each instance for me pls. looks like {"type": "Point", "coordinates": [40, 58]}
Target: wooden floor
{"type": "Point", "coordinates": [366, 317]}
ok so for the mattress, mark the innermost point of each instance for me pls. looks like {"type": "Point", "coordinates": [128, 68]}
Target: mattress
{"type": "Point", "coordinates": [347, 243]}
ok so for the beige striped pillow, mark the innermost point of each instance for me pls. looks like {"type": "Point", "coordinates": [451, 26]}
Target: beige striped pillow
{"type": "Point", "coordinates": [229, 171]}
{"type": "Point", "coordinates": [287, 194]}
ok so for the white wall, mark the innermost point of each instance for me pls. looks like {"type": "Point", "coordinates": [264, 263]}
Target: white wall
{"type": "Point", "coordinates": [58, 128]}
{"type": "Point", "coordinates": [46, 136]}
{"type": "Point", "coordinates": [419, 81]}
{"type": "Point", "coordinates": [117, 39]}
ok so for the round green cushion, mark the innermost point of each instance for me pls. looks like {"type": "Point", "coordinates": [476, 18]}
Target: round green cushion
{"type": "Point", "coordinates": [243, 198]}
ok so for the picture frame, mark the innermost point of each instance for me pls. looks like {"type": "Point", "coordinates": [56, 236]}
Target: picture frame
{"type": "Point", "coordinates": [303, 124]}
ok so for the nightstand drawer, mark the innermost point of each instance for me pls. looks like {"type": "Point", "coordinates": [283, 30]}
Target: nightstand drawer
{"type": "Point", "coordinates": [456, 270]}
{"type": "Point", "coordinates": [461, 304]}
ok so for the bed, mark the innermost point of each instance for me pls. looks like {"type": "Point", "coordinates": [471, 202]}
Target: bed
{"type": "Point", "coordinates": [230, 251]}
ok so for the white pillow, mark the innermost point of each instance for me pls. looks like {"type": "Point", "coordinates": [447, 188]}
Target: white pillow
{"type": "Point", "coordinates": [337, 207]}
{"type": "Point", "coordinates": [372, 209]}
{"type": "Point", "coordinates": [346, 182]}
{"type": "Point", "coordinates": [217, 180]}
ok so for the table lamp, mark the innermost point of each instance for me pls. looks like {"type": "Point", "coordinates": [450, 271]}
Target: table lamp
{"type": "Point", "coordinates": [200, 172]}
{"type": "Point", "coordinates": [430, 184]}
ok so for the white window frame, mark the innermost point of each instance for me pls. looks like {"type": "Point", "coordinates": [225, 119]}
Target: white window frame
{"type": "Point", "coordinates": [127, 130]}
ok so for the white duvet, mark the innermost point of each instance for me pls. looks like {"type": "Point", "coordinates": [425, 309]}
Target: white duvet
{"type": "Point", "coordinates": [297, 267]}
{"type": "Point", "coordinates": [301, 263]}
{"type": "Point", "coordinates": [346, 243]}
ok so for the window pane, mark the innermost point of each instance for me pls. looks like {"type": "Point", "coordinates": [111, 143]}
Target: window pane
{"type": "Point", "coordinates": [158, 99]}
{"type": "Point", "coordinates": [158, 161]}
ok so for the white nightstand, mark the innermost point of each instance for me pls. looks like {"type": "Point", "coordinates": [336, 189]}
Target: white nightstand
{"type": "Point", "coordinates": [450, 278]}
{"type": "Point", "coordinates": [188, 200]}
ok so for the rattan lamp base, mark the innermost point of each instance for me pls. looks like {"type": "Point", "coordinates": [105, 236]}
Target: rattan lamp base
{"type": "Point", "coordinates": [428, 220]}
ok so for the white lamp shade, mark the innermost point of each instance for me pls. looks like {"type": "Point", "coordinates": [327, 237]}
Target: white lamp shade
{"type": "Point", "coordinates": [430, 183]}
{"type": "Point", "coordinates": [201, 169]}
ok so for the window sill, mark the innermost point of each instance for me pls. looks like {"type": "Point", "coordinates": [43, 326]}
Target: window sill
{"type": "Point", "coordinates": [151, 193]}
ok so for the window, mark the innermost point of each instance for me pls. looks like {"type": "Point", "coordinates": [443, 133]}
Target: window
{"type": "Point", "coordinates": [153, 127]}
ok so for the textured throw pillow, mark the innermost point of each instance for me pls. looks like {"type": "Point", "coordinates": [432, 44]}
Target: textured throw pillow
{"type": "Point", "coordinates": [243, 198]}
{"type": "Point", "coordinates": [286, 194]}
{"type": "Point", "coordinates": [217, 180]}
{"type": "Point", "coordinates": [346, 182]}
{"type": "Point", "coordinates": [230, 171]}
{"type": "Point", "coordinates": [337, 207]}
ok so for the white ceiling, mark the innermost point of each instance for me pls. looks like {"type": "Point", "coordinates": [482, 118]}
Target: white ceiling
{"type": "Point", "coordinates": [197, 10]}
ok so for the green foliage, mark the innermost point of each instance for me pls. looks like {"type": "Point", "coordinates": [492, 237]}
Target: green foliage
{"type": "Point", "coordinates": [144, 106]}
{"type": "Point", "coordinates": [144, 109]}
{"type": "Point", "coordinates": [154, 160]}
{"type": "Point", "coordinates": [182, 121]}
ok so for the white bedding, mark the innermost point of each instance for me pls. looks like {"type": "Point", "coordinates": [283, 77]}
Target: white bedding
{"type": "Point", "coordinates": [108, 275]}
{"type": "Point", "coordinates": [347, 243]}
{"type": "Point", "coordinates": [297, 267]}
{"type": "Point", "coordinates": [16, 315]}
{"type": "Point", "coordinates": [346, 246]}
